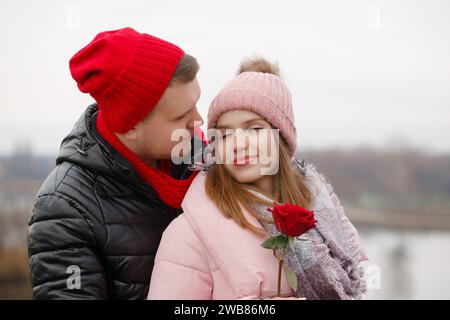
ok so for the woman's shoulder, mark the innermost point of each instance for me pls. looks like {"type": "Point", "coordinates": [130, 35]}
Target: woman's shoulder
{"type": "Point", "coordinates": [318, 184]}
{"type": "Point", "coordinates": [308, 170]}
{"type": "Point", "coordinates": [185, 225]}
{"type": "Point", "coordinates": [196, 190]}
{"type": "Point", "coordinates": [312, 175]}
{"type": "Point", "coordinates": [196, 204]}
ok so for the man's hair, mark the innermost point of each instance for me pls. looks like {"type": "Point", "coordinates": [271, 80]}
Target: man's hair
{"type": "Point", "coordinates": [186, 70]}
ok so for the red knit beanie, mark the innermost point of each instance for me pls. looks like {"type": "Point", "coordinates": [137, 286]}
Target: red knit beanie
{"type": "Point", "coordinates": [126, 72]}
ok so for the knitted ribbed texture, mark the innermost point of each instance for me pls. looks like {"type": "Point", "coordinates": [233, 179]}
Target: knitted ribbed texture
{"type": "Point", "coordinates": [262, 93]}
{"type": "Point", "coordinates": [126, 72]}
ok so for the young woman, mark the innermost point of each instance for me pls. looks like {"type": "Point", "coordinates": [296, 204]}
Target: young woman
{"type": "Point", "coordinates": [213, 250]}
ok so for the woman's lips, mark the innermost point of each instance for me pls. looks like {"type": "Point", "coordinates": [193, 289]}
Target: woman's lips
{"type": "Point", "coordinates": [240, 162]}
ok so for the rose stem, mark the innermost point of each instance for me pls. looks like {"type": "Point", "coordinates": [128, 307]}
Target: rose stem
{"type": "Point", "coordinates": [280, 264]}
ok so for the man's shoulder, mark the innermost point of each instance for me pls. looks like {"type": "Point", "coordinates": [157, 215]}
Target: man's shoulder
{"type": "Point", "coordinates": [65, 177]}
{"type": "Point", "coordinates": [66, 191]}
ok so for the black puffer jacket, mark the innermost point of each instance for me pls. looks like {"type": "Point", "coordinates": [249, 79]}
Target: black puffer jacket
{"type": "Point", "coordinates": [95, 215]}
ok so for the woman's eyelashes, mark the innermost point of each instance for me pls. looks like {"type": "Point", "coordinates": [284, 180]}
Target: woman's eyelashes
{"type": "Point", "coordinates": [226, 133]}
{"type": "Point", "coordinates": [230, 132]}
{"type": "Point", "coordinates": [253, 129]}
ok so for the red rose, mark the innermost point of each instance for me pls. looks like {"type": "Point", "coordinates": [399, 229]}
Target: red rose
{"type": "Point", "coordinates": [292, 220]}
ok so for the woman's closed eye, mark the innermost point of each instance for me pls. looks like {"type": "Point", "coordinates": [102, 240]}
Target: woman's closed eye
{"type": "Point", "coordinates": [253, 129]}
{"type": "Point", "coordinates": [228, 133]}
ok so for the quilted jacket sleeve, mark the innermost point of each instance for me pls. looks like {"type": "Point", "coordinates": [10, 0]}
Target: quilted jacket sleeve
{"type": "Point", "coordinates": [63, 259]}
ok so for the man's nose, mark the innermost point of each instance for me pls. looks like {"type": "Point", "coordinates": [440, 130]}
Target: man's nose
{"type": "Point", "coordinates": [197, 120]}
{"type": "Point", "coordinates": [198, 117]}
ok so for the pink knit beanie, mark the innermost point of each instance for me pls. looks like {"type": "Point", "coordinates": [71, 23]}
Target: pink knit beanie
{"type": "Point", "coordinates": [260, 92]}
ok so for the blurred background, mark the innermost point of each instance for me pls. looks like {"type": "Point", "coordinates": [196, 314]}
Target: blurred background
{"type": "Point", "coordinates": [371, 87]}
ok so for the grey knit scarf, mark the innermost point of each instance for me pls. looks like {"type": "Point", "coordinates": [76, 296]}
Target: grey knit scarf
{"type": "Point", "coordinates": [326, 258]}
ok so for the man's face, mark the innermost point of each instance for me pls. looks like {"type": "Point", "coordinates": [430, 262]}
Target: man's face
{"type": "Point", "coordinates": [150, 139]}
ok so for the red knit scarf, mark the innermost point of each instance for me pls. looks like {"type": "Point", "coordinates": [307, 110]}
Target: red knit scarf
{"type": "Point", "coordinates": [169, 189]}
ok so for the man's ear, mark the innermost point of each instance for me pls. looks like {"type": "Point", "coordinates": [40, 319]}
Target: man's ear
{"type": "Point", "coordinates": [131, 135]}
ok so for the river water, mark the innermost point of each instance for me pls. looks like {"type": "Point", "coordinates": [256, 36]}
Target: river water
{"type": "Point", "coordinates": [407, 264]}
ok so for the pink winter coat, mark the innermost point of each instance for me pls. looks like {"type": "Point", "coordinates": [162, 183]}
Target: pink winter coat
{"type": "Point", "coordinates": [203, 255]}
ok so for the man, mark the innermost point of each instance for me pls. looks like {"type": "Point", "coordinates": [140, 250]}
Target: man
{"type": "Point", "coordinates": [99, 216]}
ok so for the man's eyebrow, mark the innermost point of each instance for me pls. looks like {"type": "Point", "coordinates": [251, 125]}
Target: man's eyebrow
{"type": "Point", "coordinates": [225, 126]}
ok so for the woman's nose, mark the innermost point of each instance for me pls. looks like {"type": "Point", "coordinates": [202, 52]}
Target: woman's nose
{"type": "Point", "coordinates": [240, 140]}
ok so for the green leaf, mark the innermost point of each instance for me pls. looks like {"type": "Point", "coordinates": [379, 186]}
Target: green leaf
{"type": "Point", "coordinates": [280, 241]}
{"type": "Point", "coordinates": [291, 278]}
{"type": "Point", "coordinates": [268, 243]}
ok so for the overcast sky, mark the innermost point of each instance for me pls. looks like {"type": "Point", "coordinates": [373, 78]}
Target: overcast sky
{"type": "Point", "coordinates": [361, 72]}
